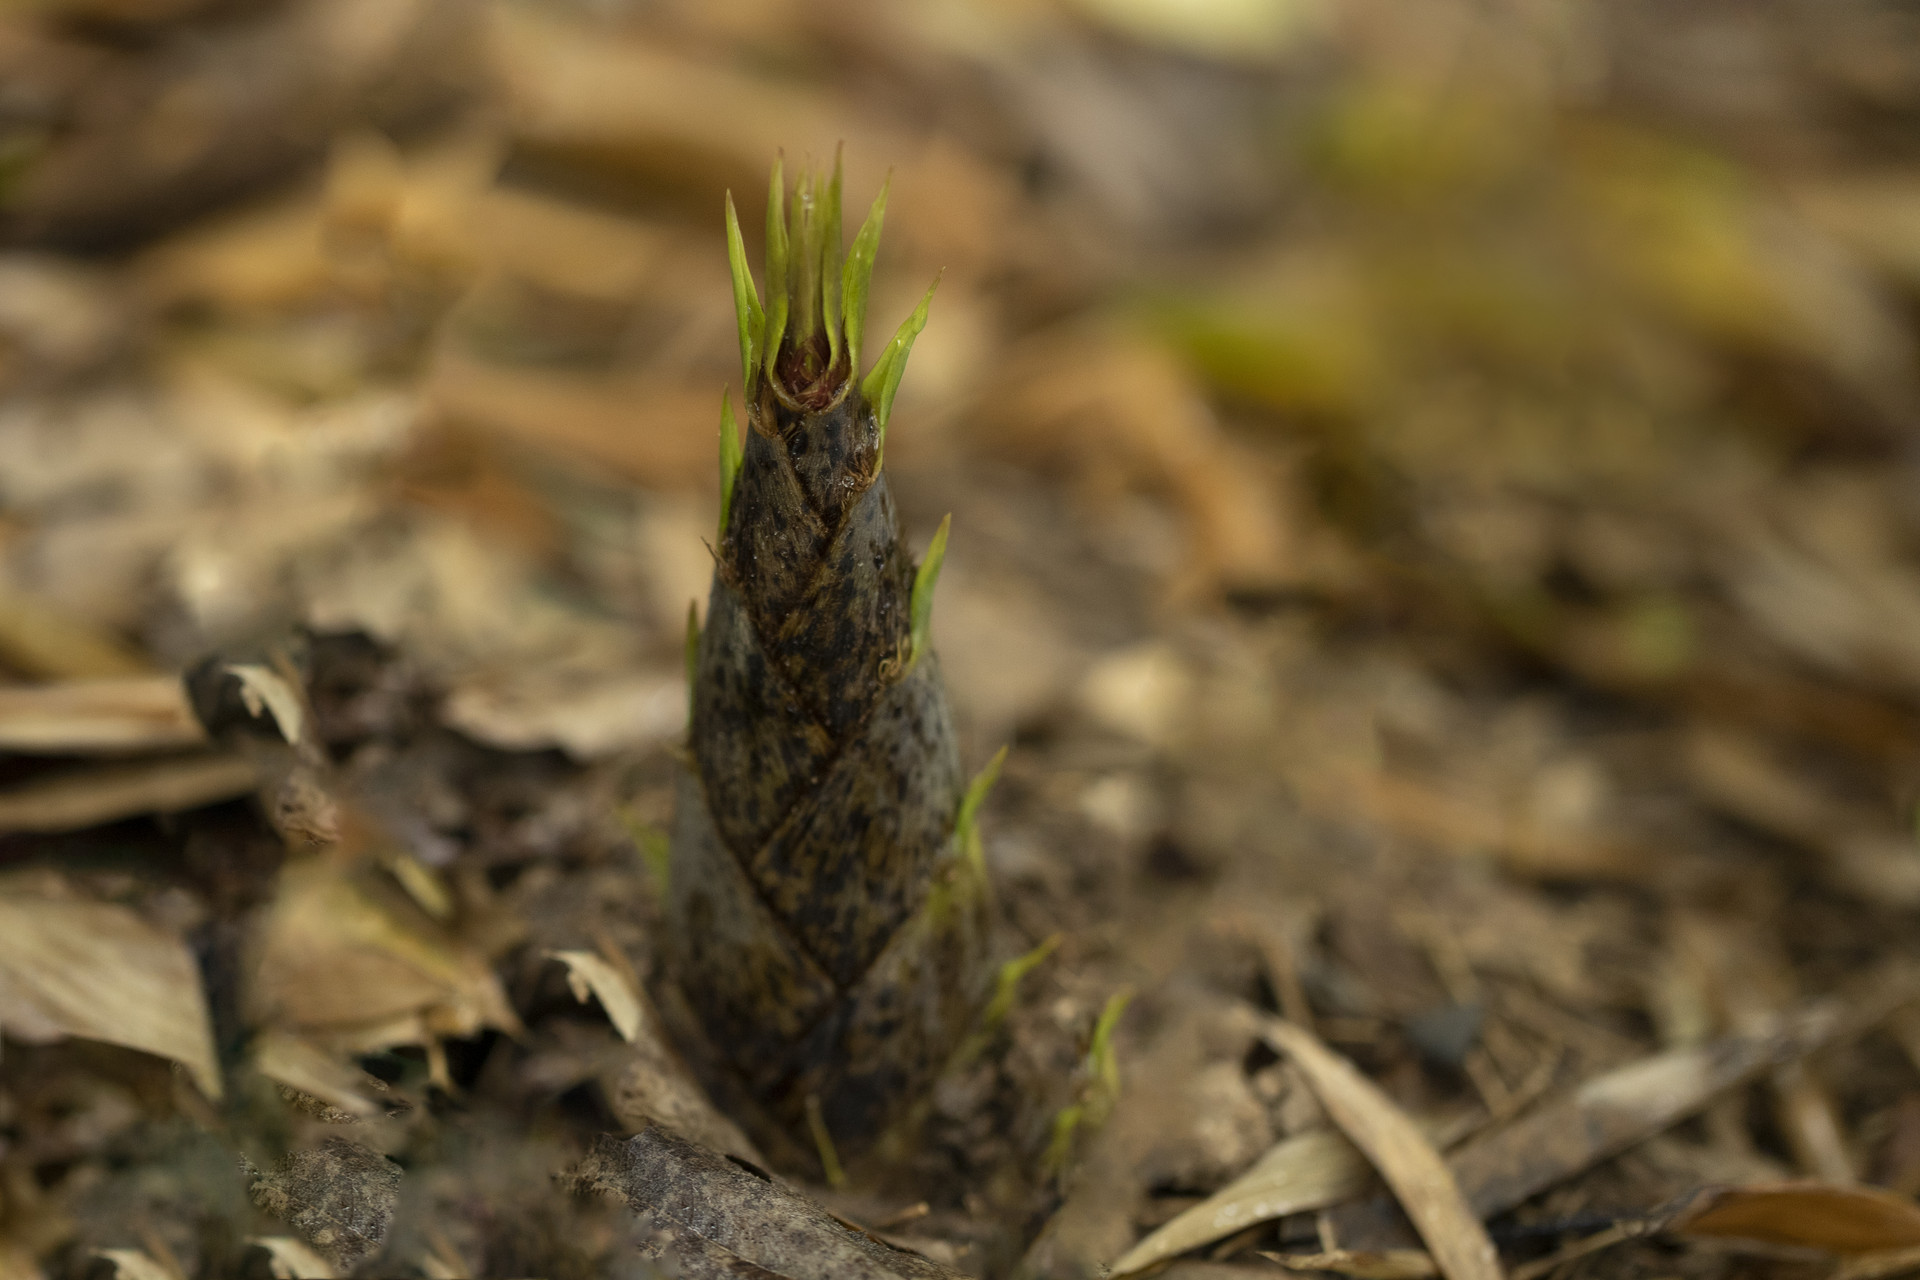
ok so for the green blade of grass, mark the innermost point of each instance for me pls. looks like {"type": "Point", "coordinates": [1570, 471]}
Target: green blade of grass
{"type": "Point", "coordinates": [777, 266]}
{"type": "Point", "coordinates": [746, 301]}
{"type": "Point", "coordinates": [857, 275]}
{"type": "Point", "coordinates": [880, 384]}
{"type": "Point", "coordinates": [924, 579]}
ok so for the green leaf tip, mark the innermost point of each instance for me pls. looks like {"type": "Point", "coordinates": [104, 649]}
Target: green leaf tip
{"type": "Point", "coordinates": [823, 1144]}
{"type": "Point", "coordinates": [806, 239]}
{"type": "Point", "coordinates": [920, 609]}
{"type": "Point", "coordinates": [778, 292]}
{"type": "Point", "coordinates": [1006, 986]}
{"type": "Point", "coordinates": [966, 822]}
{"type": "Point", "coordinates": [730, 456]}
{"type": "Point", "coordinates": [1099, 1089]}
{"type": "Point", "coordinates": [883, 379]}
{"type": "Point", "coordinates": [857, 275]}
{"type": "Point", "coordinates": [1006, 989]}
{"type": "Point", "coordinates": [746, 301]}
{"type": "Point", "coordinates": [830, 264]}
{"type": "Point", "coordinates": [805, 334]}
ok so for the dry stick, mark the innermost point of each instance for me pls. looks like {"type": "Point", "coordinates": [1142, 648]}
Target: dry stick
{"type": "Point", "coordinates": [1419, 1178]}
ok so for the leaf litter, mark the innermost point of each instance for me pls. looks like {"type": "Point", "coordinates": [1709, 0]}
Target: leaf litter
{"type": "Point", "coordinates": [1430, 512]}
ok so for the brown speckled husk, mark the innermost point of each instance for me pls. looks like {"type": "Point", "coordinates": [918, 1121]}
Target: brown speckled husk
{"type": "Point", "coordinates": [826, 930]}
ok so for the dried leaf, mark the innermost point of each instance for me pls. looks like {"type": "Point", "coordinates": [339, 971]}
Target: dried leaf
{"type": "Point", "coordinates": [97, 971]}
{"type": "Point", "coordinates": [1812, 1215]}
{"type": "Point", "coordinates": [1879, 1265]}
{"type": "Point", "coordinates": [353, 969]}
{"type": "Point", "coordinates": [1612, 1112]}
{"type": "Point", "coordinates": [290, 1259]}
{"type": "Point", "coordinates": [1363, 1264]}
{"type": "Point", "coordinates": [265, 690]}
{"type": "Point", "coordinates": [1303, 1173]}
{"type": "Point", "coordinates": [718, 1219]}
{"type": "Point", "coordinates": [80, 717]}
{"type": "Point", "coordinates": [132, 1264]}
{"type": "Point", "coordinates": [1423, 1184]}
{"type": "Point", "coordinates": [300, 1064]}
{"type": "Point", "coordinates": [107, 793]}
{"type": "Point", "coordinates": [587, 717]}
{"type": "Point", "coordinates": [589, 975]}
{"type": "Point", "coordinates": [39, 638]}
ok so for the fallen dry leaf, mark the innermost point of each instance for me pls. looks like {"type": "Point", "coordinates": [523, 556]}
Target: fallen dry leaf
{"type": "Point", "coordinates": [40, 639]}
{"type": "Point", "coordinates": [299, 1064]}
{"type": "Point", "coordinates": [133, 1264]}
{"type": "Point", "coordinates": [87, 797]}
{"type": "Point", "coordinates": [1302, 1173]}
{"type": "Point", "coordinates": [589, 975]}
{"type": "Point", "coordinates": [291, 1259]}
{"type": "Point", "coordinates": [81, 717]}
{"type": "Point", "coordinates": [352, 969]}
{"type": "Point", "coordinates": [1878, 1265]}
{"type": "Point", "coordinates": [1420, 1180]}
{"type": "Point", "coordinates": [1812, 1215]}
{"type": "Point", "coordinates": [1363, 1264]}
{"type": "Point", "coordinates": [586, 718]}
{"type": "Point", "coordinates": [1611, 1112]}
{"type": "Point", "coordinates": [97, 971]}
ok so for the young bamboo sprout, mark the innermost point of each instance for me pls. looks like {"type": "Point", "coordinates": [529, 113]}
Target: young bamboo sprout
{"type": "Point", "coordinates": [826, 895]}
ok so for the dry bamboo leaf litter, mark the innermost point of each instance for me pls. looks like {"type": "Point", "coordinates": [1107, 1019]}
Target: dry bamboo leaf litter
{"type": "Point", "coordinates": [1838, 1219]}
{"type": "Point", "coordinates": [1384, 1264]}
{"type": "Point", "coordinates": [1425, 1187]}
{"type": "Point", "coordinates": [292, 1259]}
{"type": "Point", "coordinates": [588, 975]}
{"type": "Point", "coordinates": [87, 717]}
{"type": "Point", "coordinates": [69, 967]}
{"type": "Point", "coordinates": [1303, 1173]}
{"type": "Point", "coordinates": [75, 799]}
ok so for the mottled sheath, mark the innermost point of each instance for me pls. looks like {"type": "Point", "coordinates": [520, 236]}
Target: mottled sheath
{"type": "Point", "coordinates": [825, 889]}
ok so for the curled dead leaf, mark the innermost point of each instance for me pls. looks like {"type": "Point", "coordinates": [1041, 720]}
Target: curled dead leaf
{"type": "Point", "coordinates": [589, 975]}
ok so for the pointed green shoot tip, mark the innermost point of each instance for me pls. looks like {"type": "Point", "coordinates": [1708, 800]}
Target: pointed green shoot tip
{"type": "Point", "coordinates": [804, 245]}
{"type": "Point", "coordinates": [857, 275]}
{"type": "Point", "coordinates": [823, 1144]}
{"type": "Point", "coordinates": [830, 266]}
{"type": "Point", "coordinates": [884, 379]}
{"type": "Point", "coordinates": [1006, 986]}
{"type": "Point", "coordinates": [1103, 1065]}
{"type": "Point", "coordinates": [778, 262]}
{"type": "Point", "coordinates": [746, 301]}
{"type": "Point", "coordinates": [920, 609]}
{"type": "Point", "coordinates": [731, 453]}
{"type": "Point", "coordinates": [966, 823]}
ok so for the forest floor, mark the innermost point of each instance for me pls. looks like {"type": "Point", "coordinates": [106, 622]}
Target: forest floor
{"type": "Point", "coordinates": [1433, 516]}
